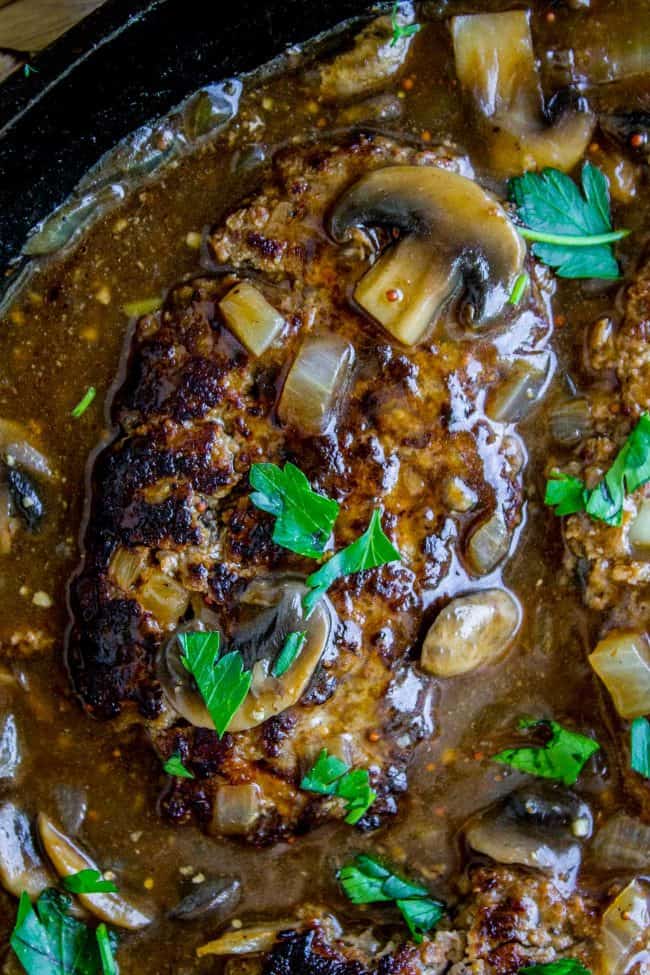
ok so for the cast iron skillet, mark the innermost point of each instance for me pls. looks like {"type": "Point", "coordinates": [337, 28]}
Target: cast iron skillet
{"type": "Point", "coordinates": [129, 62]}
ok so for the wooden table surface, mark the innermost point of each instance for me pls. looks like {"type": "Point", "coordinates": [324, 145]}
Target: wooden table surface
{"type": "Point", "coordinates": [29, 25]}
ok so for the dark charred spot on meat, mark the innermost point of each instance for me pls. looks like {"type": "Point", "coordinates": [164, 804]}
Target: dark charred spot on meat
{"type": "Point", "coordinates": [508, 959]}
{"type": "Point", "coordinates": [307, 954]}
{"type": "Point", "coordinates": [266, 246]}
{"type": "Point", "coordinates": [500, 922]}
{"type": "Point", "coordinates": [164, 524]}
{"type": "Point", "coordinates": [249, 535]}
{"type": "Point", "coordinates": [320, 690]}
{"type": "Point", "coordinates": [275, 731]}
{"type": "Point", "coordinates": [224, 585]}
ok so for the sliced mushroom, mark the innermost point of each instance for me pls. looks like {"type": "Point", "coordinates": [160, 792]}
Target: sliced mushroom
{"type": "Point", "coordinates": [374, 58]}
{"type": "Point", "coordinates": [495, 63]}
{"type": "Point", "coordinates": [536, 829]}
{"type": "Point", "coordinates": [216, 899]}
{"type": "Point", "coordinates": [457, 236]}
{"type": "Point", "coordinates": [67, 859]}
{"type": "Point", "coordinates": [25, 498]}
{"type": "Point", "coordinates": [21, 868]}
{"type": "Point", "coordinates": [273, 610]}
{"type": "Point", "coordinates": [470, 631]}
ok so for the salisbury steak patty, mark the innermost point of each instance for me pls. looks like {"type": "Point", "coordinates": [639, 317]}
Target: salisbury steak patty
{"type": "Point", "coordinates": [173, 536]}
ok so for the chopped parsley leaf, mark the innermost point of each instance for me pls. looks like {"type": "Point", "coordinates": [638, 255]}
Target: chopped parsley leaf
{"type": "Point", "coordinates": [88, 881]}
{"type": "Point", "coordinates": [640, 747]}
{"type": "Point", "coordinates": [562, 758]}
{"type": "Point", "coordinates": [84, 403]}
{"type": "Point", "coordinates": [174, 766]}
{"type": "Point", "coordinates": [562, 966]}
{"type": "Point", "coordinates": [332, 777]}
{"type": "Point", "coordinates": [571, 231]}
{"type": "Point", "coordinates": [223, 683]}
{"type": "Point", "coordinates": [401, 30]}
{"type": "Point", "coordinates": [518, 288]}
{"type": "Point", "coordinates": [292, 647]}
{"type": "Point", "coordinates": [47, 940]}
{"type": "Point", "coordinates": [304, 518]}
{"type": "Point", "coordinates": [367, 881]}
{"type": "Point", "coordinates": [109, 966]}
{"type": "Point", "coordinates": [369, 551]}
{"type": "Point", "coordinates": [630, 470]}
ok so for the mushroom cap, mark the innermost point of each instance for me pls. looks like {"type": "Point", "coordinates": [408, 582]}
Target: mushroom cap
{"type": "Point", "coordinates": [457, 221]}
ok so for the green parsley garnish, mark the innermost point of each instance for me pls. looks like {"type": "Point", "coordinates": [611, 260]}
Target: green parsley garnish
{"type": "Point", "coordinates": [84, 403]}
{"type": "Point", "coordinates": [29, 69]}
{"type": "Point", "coordinates": [630, 471]}
{"type": "Point", "coordinates": [518, 288]}
{"type": "Point", "coordinates": [292, 647]}
{"type": "Point", "coordinates": [145, 306]}
{"type": "Point", "coordinates": [570, 231]}
{"type": "Point", "coordinates": [370, 550]}
{"type": "Point", "coordinates": [47, 940]}
{"type": "Point", "coordinates": [401, 30]}
{"type": "Point", "coordinates": [174, 766]}
{"type": "Point", "coordinates": [368, 881]}
{"type": "Point", "coordinates": [88, 882]}
{"type": "Point", "coordinates": [640, 747]}
{"type": "Point", "coordinates": [109, 966]}
{"type": "Point", "coordinates": [224, 684]}
{"type": "Point", "coordinates": [304, 518]}
{"type": "Point", "coordinates": [563, 966]}
{"type": "Point", "coordinates": [562, 758]}
{"type": "Point", "coordinates": [332, 777]}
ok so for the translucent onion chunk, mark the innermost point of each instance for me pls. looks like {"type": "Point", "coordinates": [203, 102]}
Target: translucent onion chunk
{"type": "Point", "coordinates": [622, 661]}
{"type": "Point", "coordinates": [316, 384]}
{"type": "Point", "coordinates": [237, 808]}
{"type": "Point", "coordinates": [623, 843]}
{"type": "Point", "coordinates": [165, 598]}
{"type": "Point", "coordinates": [254, 321]}
{"type": "Point", "coordinates": [488, 545]}
{"type": "Point", "coordinates": [625, 921]}
{"type": "Point", "coordinates": [520, 391]}
{"type": "Point", "coordinates": [639, 531]}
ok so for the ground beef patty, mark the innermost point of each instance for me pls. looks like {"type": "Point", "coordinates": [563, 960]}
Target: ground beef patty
{"type": "Point", "coordinates": [170, 509]}
{"type": "Point", "coordinates": [507, 919]}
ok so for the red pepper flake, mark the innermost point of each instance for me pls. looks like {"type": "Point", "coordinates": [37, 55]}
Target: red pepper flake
{"type": "Point", "coordinates": [374, 736]}
{"type": "Point", "coordinates": [394, 294]}
{"type": "Point", "coordinates": [408, 84]}
{"type": "Point", "coordinates": [637, 139]}
{"type": "Point", "coordinates": [550, 17]}
{"type": "Point", "coordinates": [426, 136]}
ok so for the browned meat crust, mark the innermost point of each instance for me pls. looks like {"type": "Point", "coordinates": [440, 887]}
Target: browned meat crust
{"type": "Point", "coordinates": [600, 556]}
{"type": "Point", "coordinates": [171, 490]}
{"type": "Point", "coordinates": [507, 920]}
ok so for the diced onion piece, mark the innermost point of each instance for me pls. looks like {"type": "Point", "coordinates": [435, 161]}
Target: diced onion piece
{"type": "Point", "coordinates": [126, 566]}
{"type": "Point", "coordinates": [143, 306]}
{"type": "Point", "coordinates": [624, 922]}
{"type": "Point", "coordinates": [622, 661]}
{"type": "Point", "coordinates": [237, 808]}
{"type": "Point", "coordinates": [489, 545]}
{"type": "Point", "coordinates": [623, 843]}
{"type": "Point", "coordinates": [571, 422]}
{"type": "Point", "coordinates": [639, 533]}
{"type": "Point", "coordinates": [519, 392]}
{"type": "Point", "coordinates": [316, 383]}
{"type": "Point", "coordinates": [68, 859]}
{"type": "Point", "coordinates": [254, 321]}
{"type": "Point", "coordinates": [406, 289]}
{"type": "Point", "coordinates": [165, 598]}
